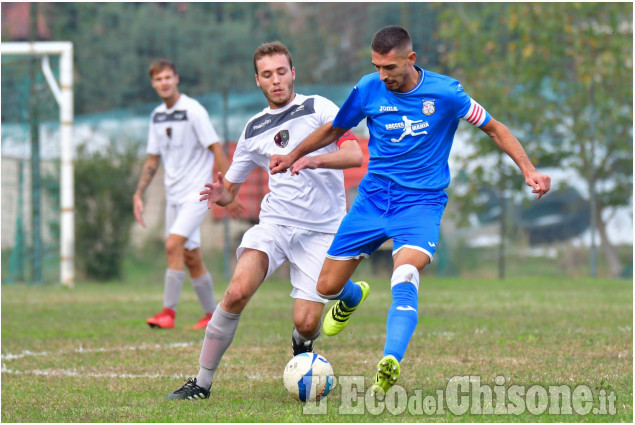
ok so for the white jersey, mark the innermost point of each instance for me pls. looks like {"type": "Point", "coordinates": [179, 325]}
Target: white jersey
{"type": "Point", "coordinates": [182, 135]}
{"type": "Point", "coordinates": [313, 199]}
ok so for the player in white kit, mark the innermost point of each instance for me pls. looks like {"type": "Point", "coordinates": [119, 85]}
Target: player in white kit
{"type": "Point", "coordinates": [181, 134]}
{"type": "Point", "coordinates": [298, 217]}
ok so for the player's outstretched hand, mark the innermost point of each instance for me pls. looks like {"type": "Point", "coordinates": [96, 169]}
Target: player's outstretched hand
{"type": "Point", "coordinates": [541, 183]}
{"type": "Point", "coordinates": [279, 163]}
{"type": "Point", "coordinates": [214, 191]}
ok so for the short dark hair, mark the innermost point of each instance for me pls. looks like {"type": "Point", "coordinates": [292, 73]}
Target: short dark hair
{"type": "Point", "coordinates": [389, 38]}
{"type": "Point", "coordinates": [159, 65]}
{"type": "Point", "coordinates": [269, 49]}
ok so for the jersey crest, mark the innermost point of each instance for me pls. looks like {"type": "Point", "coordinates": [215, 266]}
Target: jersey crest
{"type": "Point", "coordinates": [281, 139]}
{"type": "Point", "coordinates": [428, 107]}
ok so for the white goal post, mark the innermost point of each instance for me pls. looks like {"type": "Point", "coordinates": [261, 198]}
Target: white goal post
{"type": "Point", "coordinates": [63, 94]}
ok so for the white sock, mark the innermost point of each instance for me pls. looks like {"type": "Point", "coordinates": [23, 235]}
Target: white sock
{"type": "Point", "coordinates": [219, 335]}
{"type": "Point", "coordinates": [205, 290]}
{"type": "Point", "coordinates": [172, 288]}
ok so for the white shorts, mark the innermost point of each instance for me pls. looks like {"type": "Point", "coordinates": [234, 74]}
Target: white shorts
{"type": "Point", "coordinates": [304, 249]}
{"type": "Point", "coordinates": [185, 219]}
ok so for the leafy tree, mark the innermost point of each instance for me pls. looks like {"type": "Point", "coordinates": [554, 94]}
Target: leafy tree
{"type": "Point", "coordinates": [211, 44]}
{"type": "Point", "coordinates": [560, 75]}
{"type": "Point", "coordinates": [103, 182]}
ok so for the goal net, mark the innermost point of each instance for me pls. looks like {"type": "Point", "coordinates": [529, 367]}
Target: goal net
{"type": "Point", "coordinates": [37, 163]}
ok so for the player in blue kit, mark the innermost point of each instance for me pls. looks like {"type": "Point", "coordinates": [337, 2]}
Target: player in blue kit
{"type": "Point", "coordinates": [412, 115]}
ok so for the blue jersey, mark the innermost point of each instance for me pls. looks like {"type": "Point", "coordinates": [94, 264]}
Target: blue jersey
{"type": "Point", "coordinates": [411, 133]}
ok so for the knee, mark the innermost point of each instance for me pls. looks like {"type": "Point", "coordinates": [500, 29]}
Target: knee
{"type": "Point", "coordinates": [191, 259]}
{"type": "Point", "coordinates": [327, 288]}
{"type": "Point", "coordinates": [173, 247]}
{"type": "Point", "coordinates": [235, 298]}
{"type": "Point", "coordinates": [307, 326]}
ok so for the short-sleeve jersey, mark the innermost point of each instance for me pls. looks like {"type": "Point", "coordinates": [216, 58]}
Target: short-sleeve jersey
{"type": "Point", "coordinates": [182, 135]}
{"type": "Point", "coordinates": [411, 133]}
{"type": "Point", "coordinates": [313, 199]}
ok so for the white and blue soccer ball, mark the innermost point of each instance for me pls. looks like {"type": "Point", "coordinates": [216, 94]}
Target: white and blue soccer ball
{"type": "Point", "coordinates": [308, 377]}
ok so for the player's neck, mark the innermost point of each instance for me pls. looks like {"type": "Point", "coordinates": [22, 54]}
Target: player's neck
{"type": "Point", "coordinates": [171, 101]}
{"type": "Point", "coordinates": [413, 79]}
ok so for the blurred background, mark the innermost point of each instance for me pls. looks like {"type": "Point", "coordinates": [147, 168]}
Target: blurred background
{"type": "Point", "coordinates": [560, 75]}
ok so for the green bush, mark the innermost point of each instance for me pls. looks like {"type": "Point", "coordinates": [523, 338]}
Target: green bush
{"type": "Point", "coordinates": [104, 182]}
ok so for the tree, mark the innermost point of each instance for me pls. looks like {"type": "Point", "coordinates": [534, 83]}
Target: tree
{"type": "Point", "coordinates": [560, 75]}
{"type": "Point", "coordinates": [103, 182]}
{"type": "Point", "coordinates": [114, 43]}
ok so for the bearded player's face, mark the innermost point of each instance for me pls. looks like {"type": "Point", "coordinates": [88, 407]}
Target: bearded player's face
{"type": "Point", "coordinates": [394, 68]}
{"type": "Point", "coordinates": [275, 77]}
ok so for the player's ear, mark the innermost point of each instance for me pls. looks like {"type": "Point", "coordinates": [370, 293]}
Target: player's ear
{"type": "Point", "coordinates": [412, 58]}
{"type": "Point", "coordinates": [293, 73]}
{"type": "Point", "coordinates": [257, 80]}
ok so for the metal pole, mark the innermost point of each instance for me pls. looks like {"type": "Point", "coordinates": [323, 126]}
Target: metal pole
{"type": "Point", "coordinates": [34, 124]}
{"type": "Point", "coordinates": [67, 226]}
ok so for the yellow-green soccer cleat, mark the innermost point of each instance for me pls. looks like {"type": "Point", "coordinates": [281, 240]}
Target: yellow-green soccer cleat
{"type": "Point", "coordinates": [387, 374]}
{"type": "Point", "coordinates": [337, 317]}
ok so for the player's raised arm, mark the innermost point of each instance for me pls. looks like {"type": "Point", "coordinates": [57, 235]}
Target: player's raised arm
{"type": "Point", "coordinates": [507, 142]}
{"type": "Point", "coordinates": [349, 155]}
{"type": "Point", "coordinates": [321, 137]}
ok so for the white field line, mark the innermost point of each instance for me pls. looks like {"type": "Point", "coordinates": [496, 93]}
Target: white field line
{"type": "Point", "coordinates": [81, 350]}
{"type": "Point", "coordinates": [83, 374]}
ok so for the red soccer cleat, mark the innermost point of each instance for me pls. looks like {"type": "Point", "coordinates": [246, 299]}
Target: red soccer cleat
{"type": "Point", "coordinates": [165, 319]}
{"type": "Point", "coordinates": [202, 324]}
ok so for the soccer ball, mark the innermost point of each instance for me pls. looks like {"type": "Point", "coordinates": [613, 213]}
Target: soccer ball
{"type": "Point", "coordinates": [308, 377]}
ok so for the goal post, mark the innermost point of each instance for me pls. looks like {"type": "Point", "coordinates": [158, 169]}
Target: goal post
{"type": "Point", "coordinates": [63, 94]}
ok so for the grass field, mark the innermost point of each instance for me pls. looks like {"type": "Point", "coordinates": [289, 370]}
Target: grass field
{"type": "Point", "coordinates": [85, 355]}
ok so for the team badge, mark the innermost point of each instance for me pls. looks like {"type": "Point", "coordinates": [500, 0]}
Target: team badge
{"type": "Point", "coordinates": [428, 107]}
{"type": "Point", "coordinates": [168, 132]}
{"type": "Point", "coordinates": [282, 138]}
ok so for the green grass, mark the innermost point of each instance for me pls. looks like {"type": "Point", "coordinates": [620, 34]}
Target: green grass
{"type": "Point", "coordinates": [86, 355]}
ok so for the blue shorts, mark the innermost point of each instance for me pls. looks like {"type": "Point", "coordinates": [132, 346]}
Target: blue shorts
{"type": "Point", "coordinates": [384, 210]}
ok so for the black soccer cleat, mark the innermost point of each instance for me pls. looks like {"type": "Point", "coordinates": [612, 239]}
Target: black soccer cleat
{"type": "Point", "coordinates": [189, 391]}
{"type": "Point", "coordinates": [307, 347]}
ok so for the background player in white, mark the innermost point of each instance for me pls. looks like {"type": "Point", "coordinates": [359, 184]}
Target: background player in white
{"type": "Point", "coordinates": [298, 217]}
{"type": "Point", "coordinates": [181, 134]}
{"type": "Point", "coordinates": [402, 197]}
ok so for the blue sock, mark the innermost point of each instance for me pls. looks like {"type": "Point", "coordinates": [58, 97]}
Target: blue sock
{"type": "Point", "coordinates": [351, 294]}
{"type": "Point", "coordinates": [402, 319]}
